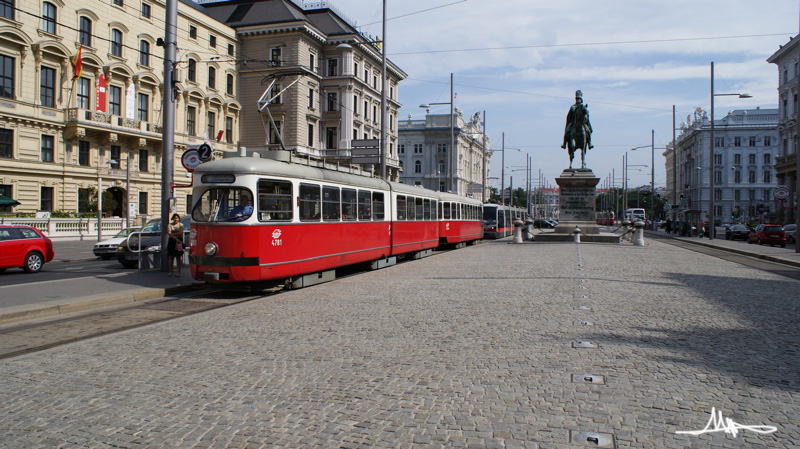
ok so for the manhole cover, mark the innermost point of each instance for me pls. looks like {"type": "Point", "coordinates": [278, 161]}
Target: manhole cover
{"type": "Point", "coordinates": [588, 379]}
{"type": "Point", "coordinates": [584, 323]}
{"type": "Point", "coordinates": [584, 345]}
{"type": "Point", "coordinates": [583, 308]}
{"type": "Point", "coordinates": [592, 439]}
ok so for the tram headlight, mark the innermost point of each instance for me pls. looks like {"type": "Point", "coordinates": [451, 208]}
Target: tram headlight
{"type": "Point", "coordinates": [210, 249]}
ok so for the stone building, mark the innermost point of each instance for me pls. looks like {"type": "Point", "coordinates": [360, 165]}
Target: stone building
{"type": "Point", "coordinates": [786, 58]}
{"type": "Point", "coordinates": [745, 148]}
{"type": "Point", "coordinates": [59, 137]}
{"type": "Point", "coordinates": [322, 75]}
{"type": "Point", "coordinates": [424, 154]}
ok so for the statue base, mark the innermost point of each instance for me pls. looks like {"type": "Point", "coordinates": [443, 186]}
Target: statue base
{"type": "Point", "coordinates": [576, 200]}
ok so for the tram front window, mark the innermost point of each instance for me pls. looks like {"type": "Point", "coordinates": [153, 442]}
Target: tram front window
{"type": "Point", "coordinates": [224, 204]}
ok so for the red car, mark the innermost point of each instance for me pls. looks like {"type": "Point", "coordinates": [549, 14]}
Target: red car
{"type": "Point", "coordinates": [24, 247]}
{"type": "Point", "coordinates": [768, 233]}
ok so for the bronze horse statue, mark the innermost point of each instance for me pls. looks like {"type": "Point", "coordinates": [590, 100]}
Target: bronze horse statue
{"type": "Point", "coordinates": [578, 130]}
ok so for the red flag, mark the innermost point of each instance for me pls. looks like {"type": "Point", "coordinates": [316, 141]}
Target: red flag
{"type": "Point", "coordinates": [77, 64]}
{"type": "Point", "coordinates": [219, 135]}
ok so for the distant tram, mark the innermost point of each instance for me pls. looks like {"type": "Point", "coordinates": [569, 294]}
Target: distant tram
{"type": "Point", "coordinates": [499, 220]}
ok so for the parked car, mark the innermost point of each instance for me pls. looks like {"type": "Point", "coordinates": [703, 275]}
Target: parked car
{"type": "Point", "coordinates": [768, 233]}
{"type": "Point", "coordinates": [789, 230]}
{"type": "Point", "coordinates": [543, 223]}
{"type": "Point", "coordinates": [737, 231]}
{"type": "Point", "coordinates": [24, 247]}
{"type": "Point", "coordinates": [148, 238]}
{"type": "Point", "coordinates": [107, 249]}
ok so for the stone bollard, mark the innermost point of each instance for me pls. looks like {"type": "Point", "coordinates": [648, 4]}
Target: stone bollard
{"type": "Point", "coordinates": [576, 234]}
{"type": "Point", "coordinates": [528, 231]}
{"type": "Point", "coordinates": [517, 232]}
{"type": "Point", "coordinates": [638, 239]}
{"type": "Point", "coordinates": [627, 226]}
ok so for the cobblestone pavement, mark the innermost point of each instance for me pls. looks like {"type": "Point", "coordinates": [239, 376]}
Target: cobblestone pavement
{"type": "Point", "coordinates": [471, 348]}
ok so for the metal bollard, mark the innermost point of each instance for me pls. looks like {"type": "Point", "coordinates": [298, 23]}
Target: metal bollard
{"type": "Point", "coordinates": [576, 235]}
{"type": "Point", "coordinates": [517, 231]}
{"type": "Point", "coordinates": [638, 239]}
{"type": "Point", "coordinates": [528, 232]}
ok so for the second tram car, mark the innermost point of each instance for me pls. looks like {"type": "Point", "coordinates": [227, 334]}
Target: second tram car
{"type": "Point", "coordinates": [499, 220]}
{"type": "Point", "coordinates": [257, 219]}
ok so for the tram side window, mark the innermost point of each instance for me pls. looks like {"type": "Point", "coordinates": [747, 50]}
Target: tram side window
{"type": "Point", "coordinates": [411, 210]}
{"type": "Point", "coordinates": [349, 204]}
{"type": "Point", "coordinates": [364, 205]}
{"type": "Point", "coordinates": [274, 200]}
{"type": "Point", "coordinates": [330, 204]}
{"type": "Point", "coordinates": [401, 207]}
{"type": "Point", "coordinates": [446, 211]}
{"type": "Point", "coordinates": [420, 213]}
{"type": "Point", "coordinates": [310, 207]}
{"type": "Point", "coordinates": [426, 205]}
{"type": "Point", "coordinates": [377, 205]}
{"type": "Point", "coordinates": [434, 209]}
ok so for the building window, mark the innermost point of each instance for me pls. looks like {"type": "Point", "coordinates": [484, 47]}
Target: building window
{"type": "Point", "coordinates": [47, 148]}
{"type": "Point", "coordinates": [212, 41]}
{"type": "Point", "coordinates": [718, 177]}
{"type": "Point", "coordinates": [115, 100]}
{"type": "Point", "coordinates": [441, 167]}
{"type": "Point", "coordinates": [310, 135]}
{"type": "Point", "coordinates": [767, 176]}
{"type": "Point", "coordinates": [116, 42]}
{"type": "Point", "coordinates": [719, 141]}
{"type": "Point", "coordinates": [275, 94]}
{"type": "Point", "coordinates": [767, 159]}
{"type": "Point", "coordinates": [417, 166]}
{"type": "Point", "coordinates": [212, 77]}
{"type": "Point", "coordinates": [417, 148]}
{"type": "Point", "coordinates": [737, 159]}
{"type": "Point", "coordinates": [192, 32]}
{"type": "Point", "coordinates": [275, 57]}
{"type": "Point", "coordinates": [230, 50]}
{"type": "Point", "coordinates": [718, 159]}
{"type": "Point", "coordinates": [229, 84]}
{"type": "Point", "coordinates": [355, 68]}
{"type": "Point", "coordinates": [366, 110]}
{"type": "Point", "coordinates": [83, 201]}
{"type": "Point", "coordinates": [767, 141]}
{"type": "Point", "coordinates": [7, 10]}
{"type": "Point", "coordinates": [229, 129]}
{"type": "Point", "coordinates": [332, 101]}
{"type": "Point", "coordinates": [441, 148]}
{"type": "Point", "coordinates": [275, 133]}
{"type": "Point", "coordinates": [47, 88]}
{"type": "Point", "coordinates": [144, 161]}
{"type": "Point", "coordinates": [145, 10]}
{"type": "Point", "coordinates": [49, 17]}
{"type": "Point", "coordinates": [6, 143]}
{"type": "Point", "coordinates": [333, 67]}
{"type": "Point", "coordinates": [191, 113]}
{"type": "Point", "coordinates": [188, 205]}
{"type": "Point", "coordinates": [752, 141]}
{"type": "Point", "coordinates": [751, 176]}
{"type": "Point", "coordinates": [212, 124]}
{"type": "Point", "coordinates": [83, 94]}
{"type": "Point", "coordinates": [83, 153]}
{"type": "Point", "coordinates": [331, 138]}
{"type": "Point", "coordinates": [143, 203]}
{"type": "Point", "coordinates": [355, 104]}
{"type": "Point", "coordinates": [401, 149]}
{"type": "Point", "coordinates": [191, 70]}
{"type": "Point", "coordinates": [311, 62]}
{"type": "Point", "coordinates": [144, 106]}
{"type": "Point", "coordinates": [310, 98]}
{"type": "Point", "coordinates": [751, 158]}
{"type": "Point", "coordinates": [737, 141]}
{"type": "Point", "coordinates": [118, 2]}
{"type": "Point", "coordinates": [85, 33]}
{"type": "Point", "coordinates": [737, 176]}
{"type": "Point", "coordinates": [46, 199]}
{"type": "Point", "coordinates": [144, 53]}
{"type": "Point", "coordinates": [116, 156]}
{"type": "Point", "coordinates": [6, 77]}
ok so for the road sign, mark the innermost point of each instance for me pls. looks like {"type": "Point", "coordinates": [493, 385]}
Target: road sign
{"type": "Point", "coordinates": [190, 160]}
{"type": "Point", "coordinates": [781, 193]}
{"type": "Point", "coordinates": [204, 152]}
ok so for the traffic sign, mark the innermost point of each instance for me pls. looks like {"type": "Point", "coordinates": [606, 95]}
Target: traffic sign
{"type": "Point", "coordinates": [190, 160]}
{"type": "Point", "coordinates": [781, 193]}
{"type": "Point", "coordinates": [204, 152]}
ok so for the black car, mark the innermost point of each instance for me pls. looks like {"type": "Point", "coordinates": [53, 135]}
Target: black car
{"type": "Point", "coordinates": [542, 223]}
{"type": "Point", "coordinates": [149, 239]}
{"type": "Point", "coordinates": [737, 231]}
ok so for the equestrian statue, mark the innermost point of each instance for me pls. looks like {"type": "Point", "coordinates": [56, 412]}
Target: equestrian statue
{"type": "Point", "coordinates": [578, 130]}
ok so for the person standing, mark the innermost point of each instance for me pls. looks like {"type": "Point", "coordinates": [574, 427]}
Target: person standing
{"type": "Point", "coordinates": [175, 244]}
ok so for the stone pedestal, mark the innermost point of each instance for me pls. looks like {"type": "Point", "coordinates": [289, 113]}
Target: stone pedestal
{"type": "Point", "coordinates": [577, 202]}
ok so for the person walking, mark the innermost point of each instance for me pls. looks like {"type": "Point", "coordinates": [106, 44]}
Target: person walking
{"type": "Point", "coordinates": [175, 244]}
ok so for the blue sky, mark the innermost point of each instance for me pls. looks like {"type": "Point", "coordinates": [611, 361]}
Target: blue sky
{"type": "Point", "coordinates": [522, 60]}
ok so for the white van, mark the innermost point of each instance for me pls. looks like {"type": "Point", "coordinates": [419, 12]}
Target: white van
{"type": "Point", "coordinates": [635, 214]}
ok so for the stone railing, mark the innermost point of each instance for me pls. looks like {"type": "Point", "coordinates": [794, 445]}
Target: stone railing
{"type": "Point", "coordinates": [69, 228]}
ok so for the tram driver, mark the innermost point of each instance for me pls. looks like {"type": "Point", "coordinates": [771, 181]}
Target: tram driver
{"type": "Point", "coordinates": [243, 210]}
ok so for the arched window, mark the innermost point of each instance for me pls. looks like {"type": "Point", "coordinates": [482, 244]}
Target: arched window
{"type": "Point", "coordinates": [144, 53]}
{"type": "Point", "coordinates": [441, 167]}
{"type": "Point", "coordinates": [192, 70]}
{"type": "Point", "coordinates": [85, 33]}
{"type": "Point", "coordinates": [116, 42]}
{"type": "Point", "coordinates": [49, 17]}
{"type": "Point", "coordinates": [229, 84]}
{"type": "Point", "coordinates": [417, 166]}
{"type": "Point", "coordinates": [212, 77]}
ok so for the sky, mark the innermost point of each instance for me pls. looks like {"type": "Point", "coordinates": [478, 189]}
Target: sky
{"type": "Point", "coordinates": [521, 61]}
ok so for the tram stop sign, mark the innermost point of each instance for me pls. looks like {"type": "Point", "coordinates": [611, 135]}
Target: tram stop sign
{"type": "Point", "coordinates": [204, 152]}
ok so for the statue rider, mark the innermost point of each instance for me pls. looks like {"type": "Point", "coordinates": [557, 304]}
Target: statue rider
{"type": "Point", "coordinates": [578, 115]}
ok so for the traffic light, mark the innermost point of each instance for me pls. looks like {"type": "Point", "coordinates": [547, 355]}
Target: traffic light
{"type": "Point", "coordinates": [681, 197]}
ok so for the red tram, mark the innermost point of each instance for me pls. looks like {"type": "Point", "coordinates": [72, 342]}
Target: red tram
{"type": "Point", "coordinates": [257, 219]}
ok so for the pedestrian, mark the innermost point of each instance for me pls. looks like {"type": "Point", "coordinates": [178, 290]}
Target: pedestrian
{"type": "Point", "coordinates": [702, 229]}
{"type": "Point", "coordinates": [175, 244]}
{"type": "Point", "coordinates": [668, 227]}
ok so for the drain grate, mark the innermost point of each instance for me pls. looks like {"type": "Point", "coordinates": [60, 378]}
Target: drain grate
{"type": "Point", "coordinates": [583, 308]}
{"type": "Point", "coordinates": [592, 439]}
{"type": "Point", "coordinates": [584, 323]}
{"type": "Point", "coordinates": [585, 344]}
{"type": "Point", "coordinates": [588, 379]}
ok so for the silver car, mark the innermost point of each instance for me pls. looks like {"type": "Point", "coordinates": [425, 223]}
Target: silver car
{"type": "Point", "coordinates": [789, 231]}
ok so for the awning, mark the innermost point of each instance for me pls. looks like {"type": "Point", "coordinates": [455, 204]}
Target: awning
{"type": "Point", "coordinates": [6, 201]}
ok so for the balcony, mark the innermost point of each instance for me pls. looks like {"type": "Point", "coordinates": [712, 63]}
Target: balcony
{"type": "Point", "coordinates": [79, 121]}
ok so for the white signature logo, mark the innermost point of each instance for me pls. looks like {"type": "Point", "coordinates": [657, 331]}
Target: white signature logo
{"type": "Point", "coordinates": [717, 423]}
{"type": "Point", "coordinates": [276, 233]}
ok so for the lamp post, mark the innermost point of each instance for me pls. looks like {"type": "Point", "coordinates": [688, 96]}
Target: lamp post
{"type": "Point", "coordinates": [711, 155]}
{"type": "Point", "coordinates": [625, 175]}
{"type": "Point", "coordinates": [503, 168]}
{"type": "Point", "coordinates": [450, 149]}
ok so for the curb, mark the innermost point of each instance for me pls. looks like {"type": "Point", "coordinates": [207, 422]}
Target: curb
{"type": "Point", "coordinates": [22, 313]}
{"type": "Point", "coordinates": [733, 250]}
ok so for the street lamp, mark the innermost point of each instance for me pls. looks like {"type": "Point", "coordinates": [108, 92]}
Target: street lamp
{"type": "Point", "coordinates": [452, 135]}
{"type": "Point", "coordinates": [711, 153]}
{"type": "Point", "coordinates": [503, 168]}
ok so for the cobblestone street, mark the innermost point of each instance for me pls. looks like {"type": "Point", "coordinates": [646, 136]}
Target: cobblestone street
{"type": "Point", "coordinates": [479, 347]}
